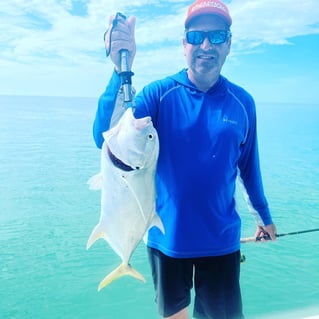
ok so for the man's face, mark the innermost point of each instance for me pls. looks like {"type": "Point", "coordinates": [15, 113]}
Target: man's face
{"type": "Point", "coordinates": [206, 58]}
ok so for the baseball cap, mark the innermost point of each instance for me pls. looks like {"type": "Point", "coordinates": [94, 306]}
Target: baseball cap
{"type": "Point", "coordinates": [201, 7]}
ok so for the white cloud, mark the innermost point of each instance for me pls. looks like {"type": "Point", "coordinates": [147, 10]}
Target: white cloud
{"type": "Point", "coordinates": [49, 36]}
{"type": "Point", "coordinates": [273, 21]}
{"type": "Point", "coordinates": [34, 28]}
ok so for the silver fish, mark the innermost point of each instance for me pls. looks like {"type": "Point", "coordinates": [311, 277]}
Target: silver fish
{"type": "Point", "coordinates": [127, 182]}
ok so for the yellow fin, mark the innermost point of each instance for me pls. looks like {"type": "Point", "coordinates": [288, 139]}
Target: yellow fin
{"type": "Point", "coordinates": [96, 234]}
{"type": "Point", "coordinates": [120, 271]}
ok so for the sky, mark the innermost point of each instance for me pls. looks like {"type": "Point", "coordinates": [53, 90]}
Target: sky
{"type": "Point", "coordinates": [55, 47]}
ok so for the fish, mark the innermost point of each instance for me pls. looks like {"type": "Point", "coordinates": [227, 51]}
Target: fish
{"type": "Point", "coordinates": [127, 182]}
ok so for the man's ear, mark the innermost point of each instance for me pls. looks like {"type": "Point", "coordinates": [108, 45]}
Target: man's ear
{"type": "Point", "coordinates": [229, 45]}
{"type": "Point", "coordinates": [184, 42]}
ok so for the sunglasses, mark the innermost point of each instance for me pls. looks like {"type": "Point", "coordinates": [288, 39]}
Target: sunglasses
{"type": "Point", "coordinates": [214, 37]}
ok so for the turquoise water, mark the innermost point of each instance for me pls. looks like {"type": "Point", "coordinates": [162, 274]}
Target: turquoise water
{"type": "Point", "coordinates": [47, 213]}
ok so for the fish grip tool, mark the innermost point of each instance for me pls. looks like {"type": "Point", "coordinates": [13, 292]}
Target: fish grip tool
{"type": "Point", "coordinates": [125, 72]}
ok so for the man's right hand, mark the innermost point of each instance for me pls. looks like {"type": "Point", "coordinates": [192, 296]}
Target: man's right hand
{"type": "Point", "coordinates": [120, 36]}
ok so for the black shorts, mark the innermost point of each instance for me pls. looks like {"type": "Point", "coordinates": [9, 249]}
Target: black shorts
{"type": "Point", "coordinates": [215, 280]}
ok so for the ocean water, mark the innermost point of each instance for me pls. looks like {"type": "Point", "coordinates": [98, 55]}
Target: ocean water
{"type": "Point", "coordinates": [47, 213]}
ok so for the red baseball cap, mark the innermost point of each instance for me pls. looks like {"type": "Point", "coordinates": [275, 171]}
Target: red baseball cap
{"type": "Point", "coordinates": [201, 7]}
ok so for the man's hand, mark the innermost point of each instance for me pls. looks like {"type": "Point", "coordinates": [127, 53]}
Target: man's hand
{"type": "Point", "coordinates": [120, 36]}
{"type": "Point", "coordinates": [269, 231]}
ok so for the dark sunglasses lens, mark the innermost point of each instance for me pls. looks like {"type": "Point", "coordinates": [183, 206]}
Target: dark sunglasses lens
{"type": "Point", "coordinates": [195, 37]}
{"type": "Point", "coordinates": [217, 37]}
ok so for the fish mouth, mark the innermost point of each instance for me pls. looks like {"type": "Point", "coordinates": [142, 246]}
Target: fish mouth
{"type": "Point", "coordinates": [118, 163]}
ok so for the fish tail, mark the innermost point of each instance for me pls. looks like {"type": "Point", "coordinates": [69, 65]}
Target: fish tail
{"type": "Point", "coordinates": [120, 271]}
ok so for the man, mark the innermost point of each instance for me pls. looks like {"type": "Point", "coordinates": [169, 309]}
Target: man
{"type": "Point", "coordinates": [207, 132]}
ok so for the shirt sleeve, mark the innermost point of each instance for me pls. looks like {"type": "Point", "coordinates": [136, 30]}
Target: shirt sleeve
{"type": "Point", "coordinates": [106, 107]}
{"type": "Point", "coordinates": [250, 173]}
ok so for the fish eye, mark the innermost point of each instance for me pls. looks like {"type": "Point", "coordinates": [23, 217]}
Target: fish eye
{"type": "Point", "coordinates": [150, 136]}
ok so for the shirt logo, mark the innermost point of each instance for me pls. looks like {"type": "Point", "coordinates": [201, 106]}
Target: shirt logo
{"type": "Point", "coordinates": [229, 121]}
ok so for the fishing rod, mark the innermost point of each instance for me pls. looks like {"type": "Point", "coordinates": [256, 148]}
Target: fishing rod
{"type": "Point", "coordinates": [267, 237]}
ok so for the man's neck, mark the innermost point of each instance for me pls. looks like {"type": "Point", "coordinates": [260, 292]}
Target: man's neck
{"type": "Point", "coordinates": [202, 82]}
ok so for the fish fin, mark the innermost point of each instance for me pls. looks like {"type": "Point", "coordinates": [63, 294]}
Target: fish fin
{"type": "Point", "coordinates": [110, 132]}
{"type": "Point", "coordinates": [157, 222]}
{"type": "Point", "coordinates": [96, 234]}
{"type": "Point", "coordinates": [105, 134]}
{"type": "Point", "coordinates": [145, 237]}
{"type": "Point", "coordinates": [96, 182]}
{"type": "Point", "coordinates": [120, 271]}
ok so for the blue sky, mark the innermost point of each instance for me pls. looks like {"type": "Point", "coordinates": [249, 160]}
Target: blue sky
{"type": "Point", "coordinates": [55, 47]}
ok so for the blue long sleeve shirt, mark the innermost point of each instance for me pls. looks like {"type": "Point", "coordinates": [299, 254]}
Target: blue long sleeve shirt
{"type": "Point", "coordinates": [206, 140]}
